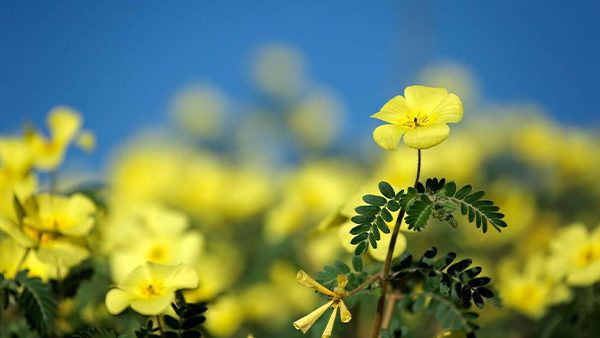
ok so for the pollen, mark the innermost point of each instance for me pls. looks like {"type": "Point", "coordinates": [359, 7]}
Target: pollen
{"type": "Point", "coordinates": [419, 120]}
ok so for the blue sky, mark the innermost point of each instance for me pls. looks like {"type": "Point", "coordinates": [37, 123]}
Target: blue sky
{"type": "Point", "coordinates": [121, 62]}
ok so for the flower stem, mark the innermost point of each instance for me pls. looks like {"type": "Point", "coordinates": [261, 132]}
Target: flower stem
{"type": "Point", "coordinates": [365, 284]}
{"type": "Point", "coordinates": [22, 261]}
{"type": "Point", "coordinates": [160, 327]}
{"type": "Point", "coordinates": [388, 260]}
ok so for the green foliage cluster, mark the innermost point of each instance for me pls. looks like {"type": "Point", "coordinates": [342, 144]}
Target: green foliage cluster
{"type": "Point", "coordinates": [34, 298]}
{"type": "Point", "coordinates": [449, 288]}
{"type": "Point", "coordinates": [437, 199]}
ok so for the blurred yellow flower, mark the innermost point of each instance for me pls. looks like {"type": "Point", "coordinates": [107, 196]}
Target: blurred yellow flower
{"type": "Point", "coordinates": [336, 301]}
{"type": "Point", "coordinates": [86, 141]}
{"type": "Point", "coordinates": [70, 216]}
{"type": "Point", "coordinates": [421, 118]}
{"type": "Point", "coordinates": [16, 176]}
{"type": "Point", "coordinates": [576, 253]}
{"type": "Point", "coordinates": [150, 289]}
{"type": "Point", "coordinates": [199, 110]}
{"type": "Point", "coordinates": [532, 289]}
{"type": "Point", "coordinates": [224, 317]}
{"type": "Point", "coordinates": [9, 262]}
{"type": "Point", "coordinates": [64, 124]}
{"type": "Point", "coordinates": [151, 233]}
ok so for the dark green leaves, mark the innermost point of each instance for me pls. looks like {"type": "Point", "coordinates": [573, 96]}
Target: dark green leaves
{"type": "Point", "coordinates": [454, 281]}
{"type": "Point", "coordinates": [371, 218]}
{"type": "Point", "coordinates": [38, 303]}
{"type": "Point", "coordinates": [439, 200]}
{"type": "Point", "coordinates": [328, 276]}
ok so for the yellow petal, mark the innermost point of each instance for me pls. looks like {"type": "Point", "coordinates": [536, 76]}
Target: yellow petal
{"type": "Point", "coordinates": [304, 279]}
{"type": "Point", "coordinates": [329, 327]}
{"type": "Point", "coordinates": [424, 99]}
{"type": "Point", "coordinates": [342, 281]}
{"type": "Point", "coordinates": [61, 252]}
{"type": "Point", "coordinates": [64, 124]}
{"type": "Point", "coordinates": [427, 136]}
{"type": "Point", "coordinates": [344, 313]}
{"type": "Point", "coordinates": [395, 111]}
{"type": "Point", "coordinates": [388, 136]}
{"type": "Point", "coordinates": [15, 232]}
{"type": "Point", "coordinates": [117, 301]}
{"type": "Point", "coordinates": [153, 307]}
{"type": "Point", "coordinates": [174, 277]}
{"type": "Point", "coordinates": [304, 323]}
{"type": "Point", "coordinates": [137, 277]}
{"type": "Point", "coordinates": [86, 141]}
{"type": "Point", "coordinates": [448, 111]}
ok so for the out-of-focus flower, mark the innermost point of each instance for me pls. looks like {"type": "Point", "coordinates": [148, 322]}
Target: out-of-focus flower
{"type": "Point", "coordinates": [279, 71]}
{"type": "Point", "coordinates": [150, 289]}
{"type": "Point", "coordinates": [86, 141]}
{"type": "Point", "coordinates": [533, 289]}
{"type": "Point", "coordinates": [218, 270]}
{"type": "Point", "coordinates": [16, 177]}
{"type": "Point", "coordinates": [71, 216]}
{"type": "Point", "coordinates": [225, 316]}
{"type": "Point", "coordinates": [336, 301]}
{"type": "Point", "coordinates": [199, 110]}
{"type": "Point", "coordinates": [456, 77]}
{"type": "Point", "coordinates": [64, 124]}
{"type": "Point", "coordinates": [317, 119]}
{"type": "Point", "coordinates": [9, 262]}
{"type": "Point", "coordinates": [309, 195]}
{"type": "Point", "coordinates": [576, 254]}
{"type": "Point", "coordinates": [154, 234]}
{"type": "Point", "coordinates": [58, 245]}
{"type": "Point", "coordinates": [421, 118]}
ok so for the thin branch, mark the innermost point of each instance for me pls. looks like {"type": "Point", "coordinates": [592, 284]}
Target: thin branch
{"type": "Point", "coordinates": [388, 259]}
{"type": "Point", "coordinates": [371, 280]}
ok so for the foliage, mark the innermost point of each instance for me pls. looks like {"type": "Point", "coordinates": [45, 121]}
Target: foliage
{"type": "Point", "coordinates": [436, 198]}
{"type": "Point", "coordinates": [449, 288]}
{"type": "Point", "coordinates": [37, 301]}
{"type": "Point", "coordinates": [372, 218]}
{"type": "Point", "coordinates": [96, 333]}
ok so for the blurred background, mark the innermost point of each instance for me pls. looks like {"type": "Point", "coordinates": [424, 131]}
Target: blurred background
{"type": "Point", "coordinates": [252, 121]}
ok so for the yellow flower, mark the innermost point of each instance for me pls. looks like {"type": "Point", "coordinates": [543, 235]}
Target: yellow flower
{"type": "Point", "coordinates": [336, 301]}
{"type": "Point", "coordinates": [64, 124]}
{"type": "Point", "coordinates": [150, 289]}
{"type": "Point", "coordinates": [421, 118]}
{"type": "Point", "coordinates": [70, 216]}
{"type": "Point", "coordinates": [532, 290]}
{"type": "Point", "coordinates": [86, 141]}
{"type": "Point", "coordinates": [576, 253]}
{"type": "Point", "coordinates": [52, 227]}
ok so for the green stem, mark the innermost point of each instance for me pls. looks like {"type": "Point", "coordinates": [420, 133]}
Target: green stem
{"type": "Point", "coordinates": [160, 327]}
{"type": "Point", "coordinates": [388, 260]}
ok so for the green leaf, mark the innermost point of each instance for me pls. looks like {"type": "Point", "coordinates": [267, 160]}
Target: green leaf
{"type": "Point", "coordinates": [428, 257]}
{"type": "Point", "coordinates": [374, 200]}
{"type": "Point", "coordinates": [463, 192]}
{"type": "Point", "coordinates": [443, 262]}
{"type": "Point", "coordinates": [344, 269]}
{"type": "Point", "coordinates": [386, 189]}
{"type": "Point", "coordinates": [190, 323]}
{"type": "Point", "coordinates": [478, 300]}
{"type": "Point", "coordinates": [476, 282]}
{"type": "Point", "coordinates": [357, 263]}
{"type": "Point", "coordinates": [418, 304]}
{"type": "Point", "coordinates": [386, 215]}
{"type": "Point", "coordinates": [367, 210]}
{"type": "Point", "coordinates": [456, 268]}
{"type": "Point", "coordinates": [418, 213]}
{"type": "Point", "coordinates": [38, 303]}
{"type": "Point", "coordinates": [485, 292]}
{"type": "Point", "coordinates": [171, 322]}
{"type": "Point", "coordinates": [382, 225]}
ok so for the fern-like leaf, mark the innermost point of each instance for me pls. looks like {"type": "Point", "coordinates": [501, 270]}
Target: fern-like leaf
{"type": "Point", "coordinates": [38, 303]}
{"type": "Point", "coordinates": [95, 332]}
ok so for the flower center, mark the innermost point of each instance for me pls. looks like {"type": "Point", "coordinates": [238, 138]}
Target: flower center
{"type": "Point", "coordinates": [587, 255]}
{"type": "Point", "coordinates": [158, 254]}
{"type": "Point", "coordinates": [56, 222]}
{"type": "Point", "coordinates": [152, 289]}
{"type": "Point", "coordinates": [418, 120]}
